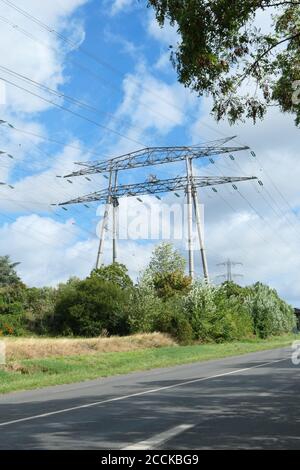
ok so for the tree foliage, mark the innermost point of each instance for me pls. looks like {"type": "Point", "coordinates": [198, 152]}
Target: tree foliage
{"type": "Point", "coordinates": [92, 307]}
{"type": "Point", "coordinates": [166, 259]}
{"type": "Point", "coordinates": [8, 274]}
{"type": "Point", "coordinates": [166, 271]}
{"type": "Point", "coordinates": [271, 315]}
{"type": "Point", "coordinates": [115, 273]}
{"type": "Point", "coordinates": [224, 49]}
{"type": "Point", "coordinates": [169, 284]}
{"type": "Point", "coordinates": [165, 300]}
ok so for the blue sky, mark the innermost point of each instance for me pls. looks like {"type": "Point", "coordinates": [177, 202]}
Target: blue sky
{"type": "Point", "coordinates": [127, 80]}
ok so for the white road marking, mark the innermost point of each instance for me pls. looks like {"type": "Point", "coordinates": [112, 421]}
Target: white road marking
{"type": "Point", "coordinates": [139, 394]}
{"type": "Point", "coordinates": [159, 439]}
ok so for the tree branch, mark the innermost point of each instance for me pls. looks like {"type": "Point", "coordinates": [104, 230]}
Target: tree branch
{"type": "Point", "coordinates": [266, 52]}
{"type": "Point", "coordinates": [279, 4]}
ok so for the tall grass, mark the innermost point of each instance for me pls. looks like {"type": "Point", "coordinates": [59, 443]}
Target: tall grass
{"type": "Point", "coordinates": [34, 348]}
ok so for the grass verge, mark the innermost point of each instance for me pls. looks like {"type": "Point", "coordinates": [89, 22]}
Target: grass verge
{"type": "Point", "coordinates": [30, 374]}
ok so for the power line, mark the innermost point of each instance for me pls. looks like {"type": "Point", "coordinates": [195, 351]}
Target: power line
{"type": "Point", "coordinates": [92, 56]}
{"type": "Point", "coordinates": [273, 205]}
{"type": "Point", "coordinates": [266, 241]}
{"type": "Point", "coordinates": [74, 113]}
{"type": "Point", "coordinates": [95, 75]}
{"type": "Point", "coordinates": [75, 101]}
{"type": "Point", "coordinates": [253, 208]}
{"type": "Point", "coordinates": [48, 139]}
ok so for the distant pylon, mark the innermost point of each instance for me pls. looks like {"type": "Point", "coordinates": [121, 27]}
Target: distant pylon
{"type": "Point", "coordinates": [229, 276]}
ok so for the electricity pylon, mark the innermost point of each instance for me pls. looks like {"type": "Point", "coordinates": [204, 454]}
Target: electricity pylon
{"type": "Point", "coordinates": [229, 276]}
{"type": "Point", "coordinates": [154, 186]}
{"type": "Point", "coordinates": [150, 157]}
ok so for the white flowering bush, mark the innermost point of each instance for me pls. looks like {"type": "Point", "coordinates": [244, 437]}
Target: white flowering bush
{"type": "Point", "coordinates": [215, 316]}
{"type": "Point", "coordinates": [271, 315]}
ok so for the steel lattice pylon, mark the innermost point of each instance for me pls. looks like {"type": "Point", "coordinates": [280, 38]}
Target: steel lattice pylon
{"type": "Point", "coordinates": [150, 157]}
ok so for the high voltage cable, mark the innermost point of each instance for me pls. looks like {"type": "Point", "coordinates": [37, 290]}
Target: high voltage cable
{"type": "Point", "coordinates": [277, 189]}
{"type": "Point", "coordinates": [88, 53]}
{"type": "Point", "coordinates": [254, 209]}
{"type": "Point", "coordinates": [250, 225]}
{"type": "Point", "coordinates": [50, 140]}
{"type": "Point", "coordinates": [280, 212]}
{"type": "Point", "coordinates": [79, 103]}
{"type": "Point", "coordinates": [94, 74]}
{"type": "Point", "coordinates": [61, 36]}
{"type": "Point", "coordinates": [74, 45]}
{"type": "Point", "coordinates": [21, 203]}
{"type": "Point", "coordinates": [94, 57]}
{"type": "Point", "coordinates": [64, 227]}
{"type": "Point", "coordinates": [74, 113]}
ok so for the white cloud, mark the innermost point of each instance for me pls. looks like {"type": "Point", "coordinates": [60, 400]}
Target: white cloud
{"type": "Point", "coordinates": [51, 251]}
{"type": "Point", "coordinates": [166, 35]}
{"type": "Point", "coordinates": [41, 245]}
{"type": "Point", "coordinates": [41, 59]}
{"type": "Point", "coordinates": [36, 191]}
{"type": "Point", "coordinates": [120, 5]}
{"type": "Point", "coordinates": [153, 104]}
{"type": "Point", "coordinates": [269, 247]}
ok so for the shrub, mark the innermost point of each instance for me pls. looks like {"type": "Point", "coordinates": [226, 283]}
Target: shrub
{"type": "Point", "coordinates": [115, 273]}
{"type": "Point", "coordinates": [150, 313]}
{"type": "Point", "coordinates": [271, 315]}
{"type": "Point", "coordinates": [12, 318]}
{"type": "Point", "coordinates": [170, 284]}
{"type": "Point", "coordinates": [214, 316]}
{"type": "Point", "coordinates": [145, 308]}
{"type": "Point", "coordinates": [90, 307]}
{"type": "Point", "coordinates": [172, 321]}
{"type": "Point", "coordinates": [12, 325]}
{"type": "Point", "coordinates": [39, 307]}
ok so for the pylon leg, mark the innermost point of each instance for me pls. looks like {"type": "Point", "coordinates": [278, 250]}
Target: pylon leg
{"type": "Point", "coordinates": [190, 222]}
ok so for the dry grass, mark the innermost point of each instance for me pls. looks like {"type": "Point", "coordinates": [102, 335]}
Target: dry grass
{"type": "Point", "coordinates": [33, 348]}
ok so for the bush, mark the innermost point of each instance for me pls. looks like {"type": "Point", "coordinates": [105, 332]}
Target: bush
{"type": "Point", "coordinates": [91, 307]}
{"type": "Point", "coordinates": [115, 273]}
{"type": "Point", "coordinates": [145, 309]}
{"type": "Point", "coordinates": [170, 284]}
{"type": "Point", "coordinates": [12, 318]}
{"type": "Point", "coordinates": [12, 325]}
{"type": "Point", "coordinates": [214, 316]}
{"type": "Point", "coordinates": [172, 321]}
{"type": "Point", "coordinates": [39, 307]}
{"type": "Point", "coordinates": [149, 313]}
{"type": "Point", "coordinates": [271, 315]}
{"type": "Point", "coordinates": [12, 298]}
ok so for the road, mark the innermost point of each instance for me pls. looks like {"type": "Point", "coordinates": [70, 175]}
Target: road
{"type": "Point", "coordinates": [246, 402]}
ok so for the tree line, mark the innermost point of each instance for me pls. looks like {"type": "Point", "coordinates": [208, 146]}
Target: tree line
{"type": "Point", "coordinates": [164, 299]}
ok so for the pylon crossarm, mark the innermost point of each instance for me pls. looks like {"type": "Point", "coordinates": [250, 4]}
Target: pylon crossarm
{"type": "Point", "coordinates": [156, 156]}
{"type": "Point", "coordinates": [156, 187]}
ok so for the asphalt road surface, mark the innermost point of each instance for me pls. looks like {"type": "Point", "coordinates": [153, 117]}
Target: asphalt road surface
{"type": "Point", "coordinates": [244, 402]}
